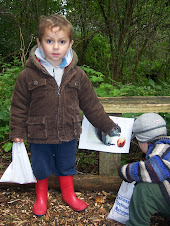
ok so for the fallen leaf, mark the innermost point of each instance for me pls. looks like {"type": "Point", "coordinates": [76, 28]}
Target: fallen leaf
{"type": "Point", "coordinates": [99, 200]}
{"type": "Point", "coordinates": [106, 193]}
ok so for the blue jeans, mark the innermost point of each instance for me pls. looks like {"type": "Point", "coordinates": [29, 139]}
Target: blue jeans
{"type": "Point", "coordinates": [57, 159]}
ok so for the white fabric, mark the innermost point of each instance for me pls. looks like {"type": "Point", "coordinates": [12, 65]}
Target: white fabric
{"type": "Point", "coordinates": [120, 209]}
{"type": "Point", "coordinates": [58, 74]}
{"type": "Point", "coordinates": [19, 171]}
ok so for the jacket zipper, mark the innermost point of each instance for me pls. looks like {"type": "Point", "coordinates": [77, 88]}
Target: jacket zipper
{"type": "Point", "coordinates": [57, 84]}
{"type": "Point", "coordinates": [59, 91]}
{"type": "Point", "coordinates": [59, 88]}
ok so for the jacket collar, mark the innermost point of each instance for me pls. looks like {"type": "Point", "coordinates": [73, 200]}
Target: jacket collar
{"type": "Point", "coordinates": [39, 53]}
{"type": "Point", "coordinates": [33, 60]}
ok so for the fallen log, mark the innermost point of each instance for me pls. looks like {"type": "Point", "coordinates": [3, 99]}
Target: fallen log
{"type": "Point", "coordinates": [91, 182]}
{"type": "Point", "coordinates": [82, 182]}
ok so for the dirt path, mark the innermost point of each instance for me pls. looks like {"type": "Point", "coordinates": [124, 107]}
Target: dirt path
{"type": "Point", "coordinates": [16, 204]}
{"type": "Point", "coordinates": [16, 208]}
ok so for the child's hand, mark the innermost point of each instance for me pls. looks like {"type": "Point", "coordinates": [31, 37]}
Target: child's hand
{"type": "Point", "coordinates": [18, 140]}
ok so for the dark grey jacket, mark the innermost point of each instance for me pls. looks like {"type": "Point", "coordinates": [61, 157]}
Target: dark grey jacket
{"type": "Point", "coordinates": [41, 113]}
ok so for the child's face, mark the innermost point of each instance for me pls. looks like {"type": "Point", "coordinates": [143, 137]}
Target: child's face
{"type": "Point", "coordinates": [143, 147]}
{"type": "Point", "coordinates": [55, 44]}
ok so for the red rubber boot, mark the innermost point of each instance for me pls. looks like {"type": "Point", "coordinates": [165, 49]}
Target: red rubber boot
{"type": "Point", "coordinates": [41, 190]}
{"type": "Point", "coordinates": [68, 194]}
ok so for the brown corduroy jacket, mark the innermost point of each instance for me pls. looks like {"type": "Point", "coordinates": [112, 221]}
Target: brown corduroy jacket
{"type": "Point", "coordinates": [43, 113]}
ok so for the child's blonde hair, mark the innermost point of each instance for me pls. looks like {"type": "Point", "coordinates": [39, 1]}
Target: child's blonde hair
{"type": "Point", "coordinates": [54, 20]}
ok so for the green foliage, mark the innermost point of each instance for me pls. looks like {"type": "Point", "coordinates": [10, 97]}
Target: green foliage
{"type": "Point", "coordinates": [7, 146]}
{"type": "Point", "coordinates": [166, 116]}
{"type": "Point", "coordinates": [112, 44]}
{"type": "Point", "coordinates": [9, 38]}
{"type": "Point", "coordinates": [86, 161]}
{"type": "Point", "coordinates": [7, 81]}
{"type": "Point", "coordinates": [141, 87]}
{"type": "Point", "coordinates": [95, 77]}
{"type": "Point", "coordinates": [19, 21]}
{"type": "Point", "coordinates": [99, 57]}
{"type": "Point", "coordinates": [153, 69]}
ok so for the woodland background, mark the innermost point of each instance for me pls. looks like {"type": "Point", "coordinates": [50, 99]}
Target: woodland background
{"type": "Point", "coordinates": [123, 46]}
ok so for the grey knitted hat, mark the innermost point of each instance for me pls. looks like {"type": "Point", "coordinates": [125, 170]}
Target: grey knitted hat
{"type": "Point", "coordinates": [148, 126]}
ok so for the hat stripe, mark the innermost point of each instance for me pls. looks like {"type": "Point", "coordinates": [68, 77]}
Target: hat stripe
{"type": "Point", "coordinates": [149, 129]}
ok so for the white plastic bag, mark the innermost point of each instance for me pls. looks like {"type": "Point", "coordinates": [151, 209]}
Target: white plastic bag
{"type": "Point", "coordinates": [120, 209]}
{"type": "Point", "coordinates": [19, 171]}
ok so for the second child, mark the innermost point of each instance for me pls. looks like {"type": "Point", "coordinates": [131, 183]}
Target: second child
{"type": "Point", "coordinates": [152, 192]}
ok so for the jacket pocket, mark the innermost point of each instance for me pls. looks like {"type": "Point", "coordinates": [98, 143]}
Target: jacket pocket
{"type": "Point", "coordinates": [77, 125]}
{"type": "Point", "coordinates": [37, 127]}
{"type": "Point", "coordinates": [37, 88]}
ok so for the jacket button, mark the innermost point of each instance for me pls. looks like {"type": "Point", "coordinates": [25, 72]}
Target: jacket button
{"type": "Point", "coordinates": [76, 83]}
{"type": "Point", "coordinates": [35, 83]}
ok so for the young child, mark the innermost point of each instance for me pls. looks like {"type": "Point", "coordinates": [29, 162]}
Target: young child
{"type": "Point", "coordinates": [152, 192]}
{"type": "Point", "coordinates": [45, 109]}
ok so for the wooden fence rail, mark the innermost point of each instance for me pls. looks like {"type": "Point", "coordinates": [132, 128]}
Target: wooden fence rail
{"type": "Point", "coordinates": [136, 104]}
{"type": "Point", "coordinates": [108, 179]}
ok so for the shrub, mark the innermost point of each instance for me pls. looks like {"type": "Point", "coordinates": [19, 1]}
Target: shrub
{"type": "Point", "coordinates": [7, 81]}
